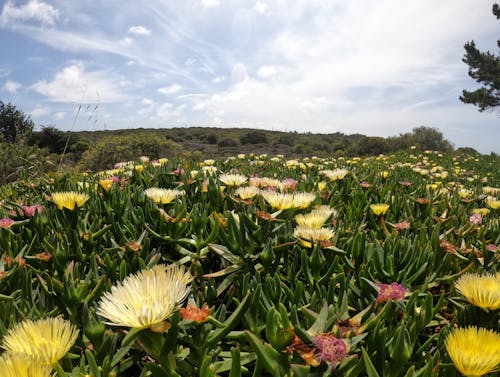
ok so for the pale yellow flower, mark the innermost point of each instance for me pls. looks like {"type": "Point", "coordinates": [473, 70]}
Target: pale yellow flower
{"type": "Point", "coordinates": [69, 199]}
{"type": "Point", "coordinates": [336, 174]}
{"type": "Point", "coordinates": [233, 179]}
{"type": "Point", "coordinates": [209, 170]}
{"type": "Point", "coordinates": [314, 219]}
{"type": "Point", "coordinates": [147, 298]}
{"type": "Point", "coordinates": [247, 193]}
{"type": "Point", "coordinates": [45, 341]}
{"type": "Point", "coordinates": [163, 196]}
{"type": "Point", "coordinates": [303, 199]}
{"type": "Point", "coordinates": [379, 209]}
{"type": "Point", "coordinates": [279, 200]}
{"type": "Point", "coordinates": [474, 351]}
{"type": "Point", "coordinates": [313, 236]}
{"type": "Point", "coordinates": [21, 366]}
{"type": "Point", "coordinates": [482, 291]}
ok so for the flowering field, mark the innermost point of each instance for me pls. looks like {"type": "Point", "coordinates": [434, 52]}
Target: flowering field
{"type": "Point", "coordinates": [255, 266]}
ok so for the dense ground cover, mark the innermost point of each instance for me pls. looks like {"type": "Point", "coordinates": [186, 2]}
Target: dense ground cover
{"type": "Point", "coordinates": [255, 265]}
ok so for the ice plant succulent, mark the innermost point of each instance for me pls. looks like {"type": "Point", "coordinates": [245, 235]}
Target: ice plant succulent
{"type": "Point", "coordinates": [45, 341]}
{"type": "Point", "coordinates": [474, 351]}
{"type": "Point", "coordinates": [147, 298]}
{"type": "Point", "coordinates": [69, 199]}
{"type": "Point", "coordinates": [309, 236]}
{"type": "Point", "coordinates": [247, 193]}
{"type": "Point", "coordinates": [482, 291]}
{"type": "Point", "coordinates": [162, 196]}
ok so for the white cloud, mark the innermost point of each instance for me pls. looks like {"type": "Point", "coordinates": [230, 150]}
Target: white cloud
{"type": "Point", "coordinates": [210, 3]}
{"type": "Point", "coordinates": [12, 86]}
{"type": "Point", "coordinates": [139, 30]}
{"type": "Point", "coordinates": [59, 115]}
{"type": "Point", "coordinates": [261, 7]}
{"type": "Point", "coordinates": [267, 71]}
{"type": "Point", "coordinates": [74, 85]}
{"type": "Point", "coordinates": [171, 89]}
{"type": "Point", "coordinates": [34, 10]}
{"type": "Point", "coordinates": [40, 111]}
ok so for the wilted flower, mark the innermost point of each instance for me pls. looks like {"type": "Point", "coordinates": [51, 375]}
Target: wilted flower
{"type": "Point", "coordinates": [393, 291]}
{"type": "Point", "coordinates": [474, 351]}
{"type": "Point", "coordinates": [233, 179]}
{"type": "Point", "coordinates": [69, 199]}
{"type": "Point", "coordinates": [22, 366]}
{"type": "Point", "coordinates": [331, 349]}
{"type": "Point", "coordinates": [147, 298]}
{"type": "Point", "coordinates": [365, 184]}
{"type": "Point", "coordinates": [45, 341]}
{"type": "Point", "coordinates": [195, 313]}
{"type": "Point", "coordinates": [482, 291]}
{"type": "Point", "coordinates": [406, 183]}
{"type": "Point", "coordinates": [162, 196]}
{"type": "Point", "coordinates": [379, 209]}
{"type": "Point", "coordinates": [289, 184]}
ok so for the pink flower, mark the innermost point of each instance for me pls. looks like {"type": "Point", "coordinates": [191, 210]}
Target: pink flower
{"type": "Point", "coordinates": [31, 210]}
{"type": "Point", "coordinates": [491, 247]}
{"type": "Point", "coordinates": [289, 184]}
{"type": "Point", "coordinates": [331, 349]}
{"type": "Point", "coordinates": [393, 291]}
{"type": "Point", "coordinates": [365, 184]}
{"type": "Point", "coordinates": [402, 225]}
{"type": "Point", "coordinates": [6, 222]}
{"type": "Point", "coordinates": [406, 183]}
{"type": "Point", "coordinates": [476, 218]}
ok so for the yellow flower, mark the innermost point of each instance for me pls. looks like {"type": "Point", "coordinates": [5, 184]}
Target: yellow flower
{"type": "Point", "coordinates": [233, 179]}
{"type": "Point", "coordinates": [45, 341]}
{"type": "Point", "coordinates": [246, 193]}
{"type": "Point", "coordinates": [482, 211]}
{"type": "Point", "coordinates": [147, 298]}
{"type": "Point", "coordinates": [379, 209]}
{"type": "Point", "coordinates": [162, 196]}
{"type": "Point", "coordinates": [482, 291]}
{"type": "Point", "coordinates": [69, 199]}
{"type": "Point", "coordinates": [321, 185]}
{"type": "Point", "coordinates": [475, 352]}
{"type": "Point", "coordinates": [493, 203]}
{"type": "Point", "coordinates": [106, 184]}
{"type": "Point", "coordinates": [21, 366]}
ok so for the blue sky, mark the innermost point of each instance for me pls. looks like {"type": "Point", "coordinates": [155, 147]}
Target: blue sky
{"type": "Point", "coordinates": [379, 67]}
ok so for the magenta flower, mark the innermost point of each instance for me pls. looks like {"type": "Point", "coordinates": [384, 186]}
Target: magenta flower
{"type": "Point", "coordinates": [331, 349]}
{"type": "Point", "coordinates": [393, 291]}
{"type": "Point", "coordinates": [6, 222]}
